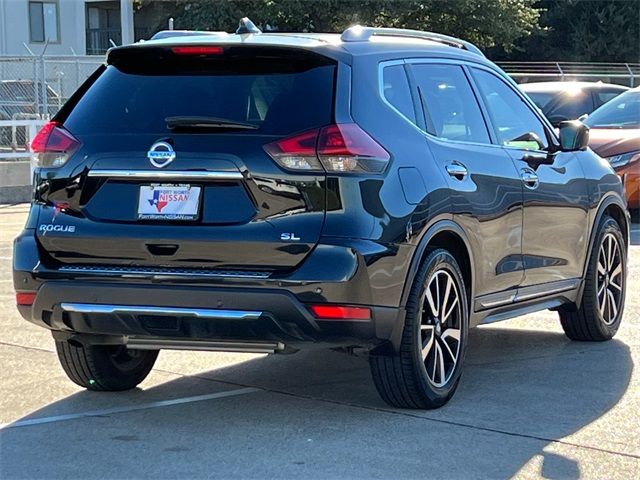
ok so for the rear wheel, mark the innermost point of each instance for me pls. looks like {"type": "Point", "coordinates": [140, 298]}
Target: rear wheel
{"type": "Point", "coordinates": [600, 313]}
{"type": "Point", "coordinates": [426, 371]}
{"type": "Point", "coordinates": [105, 367]}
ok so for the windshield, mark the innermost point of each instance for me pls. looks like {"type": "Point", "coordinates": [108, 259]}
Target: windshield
{"type": "Point", "coordinates": [621, 112]}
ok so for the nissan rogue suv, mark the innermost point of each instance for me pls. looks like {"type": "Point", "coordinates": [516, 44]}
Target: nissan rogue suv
{"type": "Point", "coordinates": [382, 189]}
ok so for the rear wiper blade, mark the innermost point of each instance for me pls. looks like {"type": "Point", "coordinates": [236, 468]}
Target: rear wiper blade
{"type": "Point", "coordinates": [207, 122]}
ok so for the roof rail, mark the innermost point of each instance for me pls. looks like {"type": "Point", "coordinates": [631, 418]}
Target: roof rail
{"type": "Point", "coordinates": [183, 33]}
{"type": "Point", "coordinates": [358, 33]}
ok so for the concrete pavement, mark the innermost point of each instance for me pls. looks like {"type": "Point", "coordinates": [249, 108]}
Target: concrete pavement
{"type": "Point", "coordinates": [531, 404]}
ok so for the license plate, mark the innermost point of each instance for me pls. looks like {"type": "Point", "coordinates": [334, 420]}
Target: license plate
{"type": "Point", "coordinates": [168, 202]}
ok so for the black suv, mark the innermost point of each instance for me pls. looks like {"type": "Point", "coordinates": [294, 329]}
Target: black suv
{"type": "Point", "coordinates": [382, 189]}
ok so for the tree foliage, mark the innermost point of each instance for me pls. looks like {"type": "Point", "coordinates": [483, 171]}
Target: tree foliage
{"type": "Point", "coordinates": [485, 22]}
{"type": "Point", "coordinates": [580, 30]}
{"type": "Point", "coordinates": [588, 30]}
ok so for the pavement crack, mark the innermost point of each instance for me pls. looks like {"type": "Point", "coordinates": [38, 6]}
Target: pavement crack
{"type": "Point", "coordinates": [25, 347]}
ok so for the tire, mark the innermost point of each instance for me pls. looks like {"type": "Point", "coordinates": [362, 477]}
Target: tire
{"type": "Point", "coordinates": [598, 319]}
{"type": "Point", "coordinates": [105, 367]}
{"type": "Point", "coordinates": [405, 379]}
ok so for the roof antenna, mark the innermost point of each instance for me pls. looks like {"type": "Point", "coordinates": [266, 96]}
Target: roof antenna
{"type": "Point", "coordinates": [247, 26]}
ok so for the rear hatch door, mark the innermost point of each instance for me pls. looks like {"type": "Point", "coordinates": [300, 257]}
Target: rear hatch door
{"type": "Point", "coordinates": [171, 170]}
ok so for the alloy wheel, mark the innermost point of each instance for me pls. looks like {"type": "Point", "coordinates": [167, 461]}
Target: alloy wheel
{"type": "Point", "coordinates": [609, 282]}
{"type": "Point", "coordinates": [440, 327]}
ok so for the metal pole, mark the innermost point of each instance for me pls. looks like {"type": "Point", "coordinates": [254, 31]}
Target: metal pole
{"type": "Point", "coordinates": [560, 70]}
{"type": "Point", "coordinates": [43, 80]}
{"type": "Point", "coordinates": [632, 78]}
{"type": "Point", "coordinates": [171, 23]}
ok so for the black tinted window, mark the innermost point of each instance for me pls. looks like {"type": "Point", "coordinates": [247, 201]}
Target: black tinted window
{"type": "Point", "coordinates": [603, 96]}
{"type": "Point", "coordinates": [567, 105]}
{"type": "Point", "coordinates": [397, 91]}
{"type": "Point", "coordinates": [451, 109]}
{"type": "Point", "coordinates": [277, 101]}
{"type": "Point", "coordinates": [515, 123]}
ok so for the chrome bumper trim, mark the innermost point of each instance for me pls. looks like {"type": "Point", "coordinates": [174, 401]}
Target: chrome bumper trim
{"type": "Point", "coordinates": [163, 311]}
{"type": "Point", "coordinates": [161, 272]}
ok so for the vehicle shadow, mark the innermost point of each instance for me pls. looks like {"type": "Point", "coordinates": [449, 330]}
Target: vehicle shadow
{"type": "Point", "coordinates": [521, 389]}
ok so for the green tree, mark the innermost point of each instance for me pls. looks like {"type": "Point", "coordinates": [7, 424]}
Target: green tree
{"type": "Point", "coordinates": [584, 30]}
{"type": "Point", "coordinates": [485, 22]}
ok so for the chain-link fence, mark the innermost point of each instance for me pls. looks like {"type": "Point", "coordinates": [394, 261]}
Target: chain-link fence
{"type": "Point", "coordinates": [34, 88]}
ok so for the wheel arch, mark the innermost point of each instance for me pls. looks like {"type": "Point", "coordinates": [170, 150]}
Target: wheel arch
{"type": "Point", "coordinates": [450, 236]}
{"type": "Point", "coordinates": [614, 206]}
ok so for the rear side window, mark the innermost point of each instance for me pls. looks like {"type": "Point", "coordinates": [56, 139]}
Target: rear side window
{"type": "Point", "coordinates": [514, 122]}
{"type": "Point", "coordinates": [451, 108]}
{"type": "Point", "coordinates": [397, 91]}
{"type": "Point", "coordinates": [279, 96]}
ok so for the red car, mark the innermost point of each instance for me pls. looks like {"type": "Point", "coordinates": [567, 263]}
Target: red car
{"type": "Point", "coordinates": [615, 136]}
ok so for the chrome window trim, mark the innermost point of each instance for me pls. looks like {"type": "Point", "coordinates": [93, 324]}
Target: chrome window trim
{"type": "Point", "coordinates": [462, 63]}
{"type": "Point", "coordinates": [165, 174]}
{"type": "Point", "coordinates": [389, 63]}
{"type": "Point", "coordinates": [152, 310]}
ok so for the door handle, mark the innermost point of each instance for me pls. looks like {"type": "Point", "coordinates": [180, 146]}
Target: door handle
{"type": "Point", "coordinates": [457, 170]}
{"type": "Point", "coordinates": [530, 178]}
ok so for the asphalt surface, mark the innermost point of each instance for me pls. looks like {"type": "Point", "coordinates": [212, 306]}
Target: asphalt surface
{"type": "Point", "coordinates": [531, 404]}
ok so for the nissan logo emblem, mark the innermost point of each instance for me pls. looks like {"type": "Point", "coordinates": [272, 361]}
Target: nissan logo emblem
{"type": "Point", "coordinates": [161, 154]}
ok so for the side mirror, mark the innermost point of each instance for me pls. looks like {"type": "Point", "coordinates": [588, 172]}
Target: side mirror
{"type": "Point", "coordinates": [574, 135]}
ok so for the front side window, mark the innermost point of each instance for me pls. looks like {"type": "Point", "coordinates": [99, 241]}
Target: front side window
{"type": "Point", "coordinates": [451, 109]}
{"type": "Point", "coordinates": [515, 124]}
{"type": "Point", "coordinates": [397, 91]}
{"type": "Point", "coordinates": [43, 22]}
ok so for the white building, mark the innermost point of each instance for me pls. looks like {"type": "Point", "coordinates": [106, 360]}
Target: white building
{"type": "Point", "coordinates": [66, 27]}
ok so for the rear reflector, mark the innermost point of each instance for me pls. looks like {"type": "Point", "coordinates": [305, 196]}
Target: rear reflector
{"type": "Point", "coordinates": [198, 50]}
{"type": "Point", "coordinates": [335, 312]}
{"type": "Point", "coordinates": [341, 147]}
{"type": "Point", "coordinates": [25, 298]}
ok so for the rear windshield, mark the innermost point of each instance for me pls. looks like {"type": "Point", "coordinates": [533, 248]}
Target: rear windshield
{"type": "Point", "coordinates": [277, 95]}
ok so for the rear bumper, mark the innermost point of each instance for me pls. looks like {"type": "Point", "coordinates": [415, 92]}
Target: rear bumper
{"type": "Point", "coordinates": [117, 306]}
{"type": "Point", "coordinates": [197, 313]}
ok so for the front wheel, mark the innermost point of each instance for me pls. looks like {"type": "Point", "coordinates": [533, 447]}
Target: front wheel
{"type": "Point", "coordinates": [600, 313]}
{"type": "Point", "coordinates": [426, 371]}
{"type": "Point", "coordinates": [105, 367]}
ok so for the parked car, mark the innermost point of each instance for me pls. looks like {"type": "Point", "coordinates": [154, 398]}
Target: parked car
{"type": "Point", "coordinates": [25, 97]}
{"type": "Point", "coordinates": [561, 101]}
{"type": "Point", "coordinates": [615, 135]}
{"type": "Point", "coordinates": [20, 100]}
{"type": "Point", "coordinates": [431, 196]}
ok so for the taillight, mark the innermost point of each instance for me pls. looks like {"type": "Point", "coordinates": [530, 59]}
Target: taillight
{"type": "Point", "coordinates": [53, 145]}
{"type": "Point", "coordinates": [335, 148]}
{"type": "Point", "coordinates": [198, 50]}
{"type": "Point", "coordinates": [348, 148]}
{"type": "Point", "coordinates": [297, 152]}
